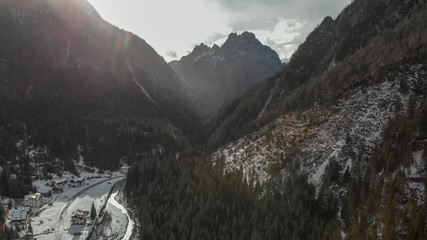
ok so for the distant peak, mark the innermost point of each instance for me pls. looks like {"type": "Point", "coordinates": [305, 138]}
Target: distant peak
{"type": "Point", "coordinates": [201, 48]}
{"type": "Point", "coordinates": [244, 35]}
{"type": "Point", "coordinates": [235, 40]}
{"type": "Point", "coordinates": [232, 35]}
{"type": "Point", "coordinates": [328, 19]}
{"type": "Point", "coordinates": [248, 35]}
{"type": "Point", "coordinates": [215, 47]}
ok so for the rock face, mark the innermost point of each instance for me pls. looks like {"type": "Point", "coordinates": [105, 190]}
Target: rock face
{"type": "Point", "coordinates": [65, 71]}
{"type": "Point", "coordinates": [220, 74]}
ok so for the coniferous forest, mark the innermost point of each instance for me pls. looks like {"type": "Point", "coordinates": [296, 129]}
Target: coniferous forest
{"type": "Point", "coordinates": [188, 199]}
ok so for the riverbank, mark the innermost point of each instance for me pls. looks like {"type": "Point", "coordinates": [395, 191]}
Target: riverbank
{"type": "Point", "coordinates": [116, 221]}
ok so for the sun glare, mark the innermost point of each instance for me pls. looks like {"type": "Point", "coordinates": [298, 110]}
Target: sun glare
{"type": "Point", "coordinates": [167, 25]}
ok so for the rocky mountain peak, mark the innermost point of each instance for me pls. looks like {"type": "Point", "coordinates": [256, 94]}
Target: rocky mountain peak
{"type": "Point", "coordinates": [220, 74]}
{"type": "Point", "coordinates": [201, 48]}
{"type": "Point", "coordinates": [245, 39]}
{"type": "Point", "coordinates": [248, 35]}
{"type": "Point", "coordinates": [199, 52]}
{"type": "Point", "coordinates": [215, 47]}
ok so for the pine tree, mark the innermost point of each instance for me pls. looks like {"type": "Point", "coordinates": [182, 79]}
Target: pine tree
{"type": "Point", "coordinates": [2, 217]}
{"type": "Point", "coordinates": [30, 228]}
{"type": "Point", "coordinates": [93, 212]}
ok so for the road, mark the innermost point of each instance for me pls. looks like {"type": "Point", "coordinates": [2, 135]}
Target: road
{"type": "Point", "coordinates": [59, 229]}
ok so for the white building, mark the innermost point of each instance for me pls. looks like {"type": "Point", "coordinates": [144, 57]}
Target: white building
{"type": "Point", "coordinates": [34, 201]}
{"type": "Point", "coordinates": [79, 217]}
{"type": "Point", "coordinates": [78, 220]}
{"type": "Point", "coordinates": [124, 169]}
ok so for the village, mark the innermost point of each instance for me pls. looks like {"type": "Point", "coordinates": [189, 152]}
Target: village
{"type": "Point", "coordinates": [38, 215]}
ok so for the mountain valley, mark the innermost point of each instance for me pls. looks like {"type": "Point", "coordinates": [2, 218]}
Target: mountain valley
{"type": "Point", "coordinates": [226, 143]}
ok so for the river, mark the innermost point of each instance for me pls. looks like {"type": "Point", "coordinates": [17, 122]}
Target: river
{"type": "Point", "coordinates": [131, 224]}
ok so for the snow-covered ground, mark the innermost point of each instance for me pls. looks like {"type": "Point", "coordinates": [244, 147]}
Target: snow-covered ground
{"type": "Point", "coordinates": [68, 201]}
{"type": "Point", "coordinates": [130, 223]}
{"type": "Point", "coordinates": [416, 173]}
{"type": "Point", "coordinates": [117, 222]}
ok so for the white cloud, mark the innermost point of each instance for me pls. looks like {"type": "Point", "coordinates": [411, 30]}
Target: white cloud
{"type": "Point", "coordinates": [166, 25]}
{"type": "Point", "coordinates": [178, 25]}
{"type": "Point", "coordinates": [285, 36]}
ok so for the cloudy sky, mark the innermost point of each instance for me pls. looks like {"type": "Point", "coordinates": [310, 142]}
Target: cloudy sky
{"type": "Point", "coordinates": [174, 27]}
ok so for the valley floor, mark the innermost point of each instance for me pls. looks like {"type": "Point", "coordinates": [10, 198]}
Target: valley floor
{"type": "Point", "coordinates": [54, 222]}
{"type": "Point", "coordinates": [116, 221]}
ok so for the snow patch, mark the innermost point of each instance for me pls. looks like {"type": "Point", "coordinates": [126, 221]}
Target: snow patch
{"type": "Point", "coordinates": [67, 54]}
{"type": "Point", "coordinates": [316, 178]}
{"type": "Point", "coordinates": [130, 224]}
{"type": "Point", "coordinates": [267, 102]}
{"type": "Point", "coordinates": [416, 173]}
{"type": "Point", "coordinates": [140, 86]}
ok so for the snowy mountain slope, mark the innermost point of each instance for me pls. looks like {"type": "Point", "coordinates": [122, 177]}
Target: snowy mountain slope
{"type": "Point", "coordinates": [345, 132]}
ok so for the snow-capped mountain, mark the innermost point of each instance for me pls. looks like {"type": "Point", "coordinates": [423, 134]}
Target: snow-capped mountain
{"type": "Point", "coordinates": [220, 74]}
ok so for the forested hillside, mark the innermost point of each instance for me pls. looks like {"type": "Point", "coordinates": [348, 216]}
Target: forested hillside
{"type": "Point", "coordinates": [74, 85]}
{"type": "Point", "coordinates": [387, 199]}
{"type": "Point", "coordinates": [188, 199]}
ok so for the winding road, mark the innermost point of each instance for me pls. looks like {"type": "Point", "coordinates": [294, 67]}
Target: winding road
{"type": "Point", "coordinates": [59, 229]}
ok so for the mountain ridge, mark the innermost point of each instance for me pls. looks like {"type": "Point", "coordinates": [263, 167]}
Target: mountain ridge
{"type": "Point", "coordinates": [329, 43]}
{"type": "Point", "coordinates": [221, 73]}
{"type": "Point", "coordinates": [66, 74]}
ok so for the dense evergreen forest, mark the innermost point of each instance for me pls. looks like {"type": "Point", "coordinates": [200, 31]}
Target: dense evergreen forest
{"type": "Point", "coordinates": [14, 178]}
{"type": "Point", "coordinates": [189, 199]}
